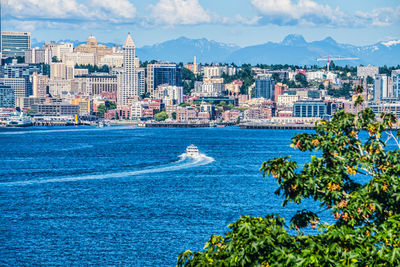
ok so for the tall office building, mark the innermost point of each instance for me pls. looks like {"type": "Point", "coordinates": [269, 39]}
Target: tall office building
{"type": "Point", "coordinates": [141, 80]}
{"type": "Point", "coordinates": [15, 44]}
{"type": "Point", "coordinates": [162, 73]}
{"type": "Point", "coordinates": [7, 99]}
{"type": "Point", "coordinates": [381, 87]}
{"type": "Point", "coordinates": [396, 85]}
{"type": "Point", "coordinates": [264, 88]}
{"type": "Point", "coordinates": [128, 80]}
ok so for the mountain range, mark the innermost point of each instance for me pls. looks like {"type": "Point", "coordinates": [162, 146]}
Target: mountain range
{"type": "Point", "coordinates": [293, 49]}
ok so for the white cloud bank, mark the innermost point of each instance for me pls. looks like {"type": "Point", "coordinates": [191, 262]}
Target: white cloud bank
{"type": "Point", "coordinates": [179, 12]}
{"type": "Point", "coordinates": [311, 13]}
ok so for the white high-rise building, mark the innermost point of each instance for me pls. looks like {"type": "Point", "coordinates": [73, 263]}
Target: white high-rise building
{"type": "Point", "coordinates": [128, 87]}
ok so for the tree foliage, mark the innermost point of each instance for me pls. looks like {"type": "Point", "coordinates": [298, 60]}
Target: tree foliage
{"type": "Point", "coordinates": [301, 79]}
{"type": "Point", "coordinates": [355, 178]}
{"type": "Point", "coordinates": [343, 91]}
{"type": "Point", "coordinates": [161, 116]}
{"type": "Point", "coordinates": [93, 68]}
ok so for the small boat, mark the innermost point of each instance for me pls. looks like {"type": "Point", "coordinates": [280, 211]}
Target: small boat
{"type": "Point", "coordinates": [192, 151]}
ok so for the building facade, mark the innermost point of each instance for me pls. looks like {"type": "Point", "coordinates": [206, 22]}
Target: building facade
{"type": "Point", "coordinates": [7, 98]}
{"type": "Point", "coordinates": [128, 85]}
{"type": "Point", "coordinates": [309, 108]}
{"type": "Point", "coordinates": [264, 88]}
{"type": "Point", "coordinates": [15, 43]}
{"type": "Point", "coordinates": [162, 73]}
{"type": "Point", "coordinates": [40, 85]}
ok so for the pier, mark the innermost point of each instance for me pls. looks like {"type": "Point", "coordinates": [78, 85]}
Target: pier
{"type": "Point", "coordinates": [176, 125]}
{"type": "Point", "coordinates": [277, 126]}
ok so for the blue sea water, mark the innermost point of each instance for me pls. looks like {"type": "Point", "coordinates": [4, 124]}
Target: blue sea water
{"type": "Point", "coordinates": [127, 196]}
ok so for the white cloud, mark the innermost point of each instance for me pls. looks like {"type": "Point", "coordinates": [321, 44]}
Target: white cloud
{"type": "Point", "coordinates": [302, 12]}
{"type": "Point", "coordinates": [58, 10]}
{"type": "Point", "coordinates": [179, 12]}
{"type": "Point", "coordinates": [380, 16]}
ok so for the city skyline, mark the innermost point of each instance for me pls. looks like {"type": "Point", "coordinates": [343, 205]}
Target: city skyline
{"type": "Point", "coordinates": [248, 22]}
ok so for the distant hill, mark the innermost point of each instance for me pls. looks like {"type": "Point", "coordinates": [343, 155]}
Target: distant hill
{"type": "Point", "coordinates": [294, 49]}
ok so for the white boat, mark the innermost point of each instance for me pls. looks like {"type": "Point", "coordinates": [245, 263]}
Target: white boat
{"type": "Point", "coordinates": [192, 151]}
{"type": "Point", "coordinates": [17, 119]}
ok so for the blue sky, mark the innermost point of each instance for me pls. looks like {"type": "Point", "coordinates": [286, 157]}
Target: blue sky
{"type": "Point", "coordinates": [241, 22]}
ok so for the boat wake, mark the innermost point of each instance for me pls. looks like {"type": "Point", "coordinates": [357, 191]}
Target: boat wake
{"type": "Point", "coordinates": [184, 162]}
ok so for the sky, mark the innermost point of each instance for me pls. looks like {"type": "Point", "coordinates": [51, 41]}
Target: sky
{"type": "Point", "coordinates": [239, 22]}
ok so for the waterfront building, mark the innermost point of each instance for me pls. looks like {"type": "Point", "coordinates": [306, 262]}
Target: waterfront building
{"type": "Point", "coordinates": [259, 113]}
{"type": "Point", "coordinates": [128, 87]}
{"type": "Point", "coordinates": [85, 105]}
{"type": "Point", "coordinates": [393, 108]}
{"type": "Point", "coordinates": [208, 109]}
{"type": "Point", "coordinates": [264, 88]}
{"type": "Point", "coordinates": [56, 109]}
{"type": "Point", "coordinates": [162, 73]}
{"type": "Point", "coordinates": [15, 43]}
{"type": "Point", "coordinates": [7, 98]}
{"type": "Point", "coordinates": [92, 47]}
{"type": "Point", "coordinates": [37, 56]}
{"type": "Point", "coordinates": [40, 84]}
{"type": "Point", "coordinates": [365, 71]}
{"type": "Point", "coordinates": [309, 108]}
{"type": "Point", "coordinates": [27, 102]}
{"type": "Point", "coordinates": [170, 95]}
{"type": "Point", "coordinates": [231, 115]}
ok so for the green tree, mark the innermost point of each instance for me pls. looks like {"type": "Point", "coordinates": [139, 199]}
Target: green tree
{"type": "Point", "coordinates": [54, 59]}
{"type": "Point", "coordinates": [161, 116]}
{"type": "Point", "coordinates": [101, 109]}
{"type": "Point", "coordinates": [110, 105]}
{"type": "Point", "coordinates": [276, 77]}
{"type": "Point", "coordinates": [343, 91]}
{"type": "Point", "coordinates": [301, 79]}
{"type": "Point", "coordinates": [355, 178]}
{"type": "Point", "coordinates": [185, 104]}
{"type": "Point", "coordinates": [370, 80]}
{"type": "Point", "coordinates": [173, 115]}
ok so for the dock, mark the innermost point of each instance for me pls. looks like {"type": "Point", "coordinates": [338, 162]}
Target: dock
{"type": "Point", "coordinates": [277, 126]}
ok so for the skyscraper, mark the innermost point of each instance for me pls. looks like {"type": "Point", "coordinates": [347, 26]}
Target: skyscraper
{"type": "Point", "coordinates": [15, 43]}
{"type": "Point", "coordinates": [128, 80]}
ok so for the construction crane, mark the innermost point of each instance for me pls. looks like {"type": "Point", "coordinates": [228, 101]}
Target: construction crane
{"type": "Point", "coordinates": [328, 59]}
